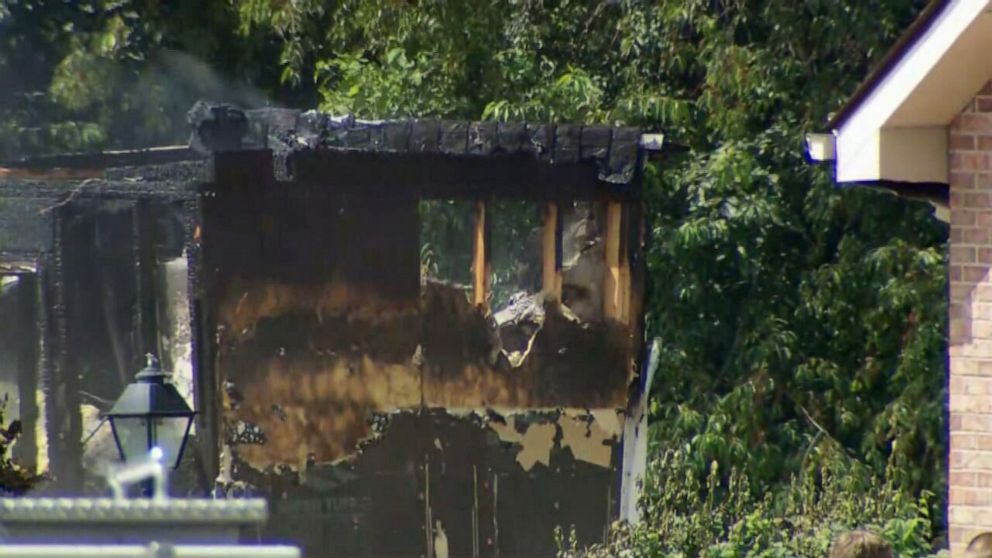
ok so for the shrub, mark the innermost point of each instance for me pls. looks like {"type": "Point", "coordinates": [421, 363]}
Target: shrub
{"type": "Point", "coordinates": [728, 516]}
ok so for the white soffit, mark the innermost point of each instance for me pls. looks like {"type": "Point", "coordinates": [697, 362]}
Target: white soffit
{"type": "Point", "coordinates": [899, 129]}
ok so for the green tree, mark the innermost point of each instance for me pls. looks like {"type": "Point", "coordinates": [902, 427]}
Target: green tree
{"type": "Point", "coordinates": [93, 74]}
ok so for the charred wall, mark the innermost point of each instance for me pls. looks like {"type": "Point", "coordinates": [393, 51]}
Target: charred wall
{"type": "Point", "coordinates": [378, 410]}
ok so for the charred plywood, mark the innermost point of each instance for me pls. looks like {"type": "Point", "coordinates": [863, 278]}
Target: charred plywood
{"type": "Point", "coordinates": [388, 413]}
{"type": "Point", "coordinates": [431, 482]}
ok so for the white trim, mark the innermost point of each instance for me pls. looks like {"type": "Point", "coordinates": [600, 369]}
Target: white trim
{"type": "Point", "coordinates": [821, 147]}
{"type": "Point", "coordinates": [898, 131]}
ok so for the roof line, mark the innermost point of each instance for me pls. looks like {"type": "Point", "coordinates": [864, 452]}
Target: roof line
{"type": "Point", "coordinates": [908, 39]}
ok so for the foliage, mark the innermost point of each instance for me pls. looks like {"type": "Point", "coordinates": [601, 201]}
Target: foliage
{"type": "Point", "coordinates": [726, 516]}
{"type": "Point", "coordinates": [93, 74]}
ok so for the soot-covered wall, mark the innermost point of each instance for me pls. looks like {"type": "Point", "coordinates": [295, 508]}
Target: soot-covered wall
{"type": "Point", "coordinates": [377, 410]}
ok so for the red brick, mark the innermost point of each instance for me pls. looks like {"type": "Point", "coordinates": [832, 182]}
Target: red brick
{"type": "Point", "coordinates": [971, 348]}
{"type": "Point", "coordinates": [955, 199]}
{"type": "Point", "coordinates": [975, 236]}
{"type": "Point", "coordinates": [970, 479]}
{"type": "Point", "coordinates": [964, 218]}
{"type": "Point", "coordinates": [965, 254]}
{"type": "Point", "coordinates": [984, 143]}
{"type": "Point", "coordinates": [983, 104]}
{"type": "Point", "coordinates": [958, 332]}
{"type": "Point", "coordinates": [974, 273]}
{"type": "Point", "coordinates": [971, 459]}
{"type": "Point", "coordinates": [978, 310]}
{"type": "Point", "coordinates": [957, 311]}
{"type": "Point", "coordinates": [962, 180]}
{"type": "Point", "coordinates": [986, 89]}
{"type": "Point", "coordinates": [983, 181]}
{"type": "Point", "coordinates": [979, 404]}
{"type": "Point", "coordinates": [983, 218]}
{"type": "Point", "coordinates": [976, 200]}
{"type": "Point", "coordinates": [970, 385]}
{"type": "Point", "coordinates": [969, 515]}
{"type": "Point", "coordinates": [961, 142]}
{"type": "Point", "coordinates": [970, 422]}
{"type": "Point", "coordinates": [973, 122]}
{"type": "Point", "coordinates": [985, 368]}
{"type": "Point", "coordinates": [970, 496]}
{"type": "Point", "coordinates": [970, 160]}
{"type": "Point", "coordinates": [960, 292]}
{"type": "Point", "coordinates": [962, 367]}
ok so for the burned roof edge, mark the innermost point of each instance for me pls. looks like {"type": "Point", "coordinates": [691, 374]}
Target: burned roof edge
{"type": "Point", "coordinates": [614, 150]}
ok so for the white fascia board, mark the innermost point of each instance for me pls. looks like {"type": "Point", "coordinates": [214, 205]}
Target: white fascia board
{"type": "Point", "coordinates": [868, 151]}
{"type": "Point", "coordinates": [905, 154]}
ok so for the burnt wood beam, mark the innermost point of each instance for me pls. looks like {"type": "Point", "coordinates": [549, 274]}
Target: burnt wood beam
{"type": "Point", "coordinates": [28, 299]}
{"type": "Point", "coordinates": [480, 256]}
{"type": "Point", "coordinates": [146, 314]}
{"type": "Point", "coordinates": [551, 278]}
{"type": "Point", "coordinates": [206, 397]}
{"type": "Point", "coordinates": [61, 381]}
{"type": "Point", "coordinates": [439, 176]}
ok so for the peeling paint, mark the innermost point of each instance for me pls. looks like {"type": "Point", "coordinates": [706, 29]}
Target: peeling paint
{"type": "Point", "coordinates": [589, 435]}
{"type": "Point", "coordinates": [587, 439]}
{"type": "Point", "coordinates": [535, 443]}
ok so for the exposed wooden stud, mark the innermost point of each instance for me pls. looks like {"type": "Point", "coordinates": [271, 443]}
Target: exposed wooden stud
{"type": "Point", "coordinates": [627, 222]}
{"type": "Point", "coordinates": [28, 345]}
{"type": "Point", "coordinates": [143, 246]}
{"type": "Point", "coordinates": [480, 257]}
{"type": "Point", "coordinates": [551, 254]}
{"type": "Point", "coordinates": [612, 282]}
{"type": "Point", "coordinates": [624, 290]}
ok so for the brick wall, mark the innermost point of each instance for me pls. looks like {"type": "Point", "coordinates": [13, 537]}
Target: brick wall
{"type": "Point", "coordinates": [970, 383]}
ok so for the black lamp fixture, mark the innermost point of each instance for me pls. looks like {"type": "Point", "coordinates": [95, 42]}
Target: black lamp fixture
{"type": "Point", "coordinates": [151, 414]}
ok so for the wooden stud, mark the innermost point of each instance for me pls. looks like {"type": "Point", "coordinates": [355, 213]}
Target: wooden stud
{"type": "Point", "coordinates": [550, 242]}
{"type": "Point", "coordinates": [613, 283]}
{"type": "Point", "coordinates": [480, 258]}
{"type": "Point", "coordinates": [626, 222]}
{"type": "Point", "coordinates": [624, 289]}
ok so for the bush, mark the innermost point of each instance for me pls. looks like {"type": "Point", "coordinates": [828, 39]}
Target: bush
{"type": "Point", "coordinates": [727, 516]}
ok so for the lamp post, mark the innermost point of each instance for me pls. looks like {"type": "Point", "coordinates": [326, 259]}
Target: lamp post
{"type": "Point", "coordinates": [150, 415]}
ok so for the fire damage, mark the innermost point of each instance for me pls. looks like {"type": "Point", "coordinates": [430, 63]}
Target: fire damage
{"type": "Point", "coordinates": [390, 395]}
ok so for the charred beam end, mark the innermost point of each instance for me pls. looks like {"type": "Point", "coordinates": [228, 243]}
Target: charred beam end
{"type": "Point", "coordinates": [217, 127]}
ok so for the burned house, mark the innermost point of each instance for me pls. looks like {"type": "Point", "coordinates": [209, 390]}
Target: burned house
{"type": "Point", "coordinates": [415, 338]}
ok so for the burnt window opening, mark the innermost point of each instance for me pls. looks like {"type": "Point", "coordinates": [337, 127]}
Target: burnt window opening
{"type": "Point", "coordinates": [583, 258]}
{"type": "Point", "coordinates": [446, 251]}
{"type": "Point", "coordinates": [515, 248]}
